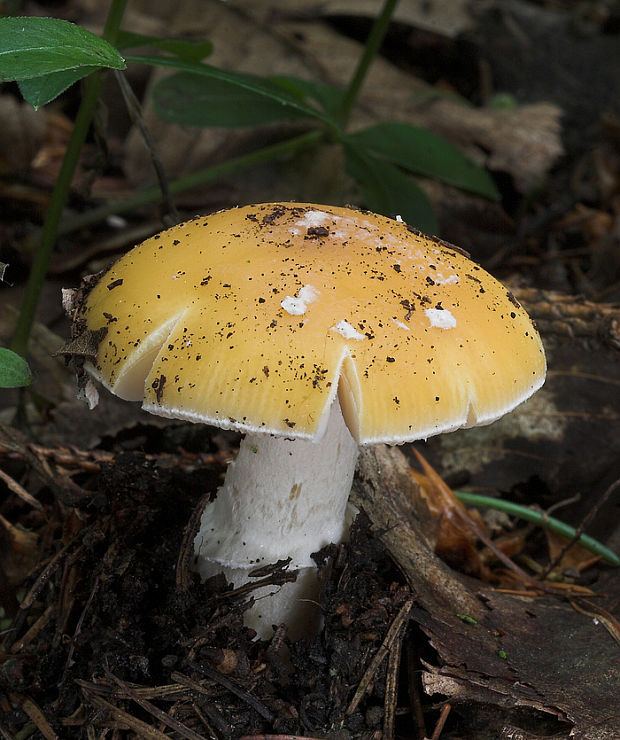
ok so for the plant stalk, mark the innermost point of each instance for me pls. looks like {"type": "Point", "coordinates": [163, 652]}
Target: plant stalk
{"type": "Point", "coordinates": [92, 88]}
{"type": "Point", "coordinates": [196, 179]}
{"type": "Point", "coordinates": [373, 44]}
{"type": "Point", "coordinates": [135, 113]}
{"type": "Point", "coordinates": [540, 518]}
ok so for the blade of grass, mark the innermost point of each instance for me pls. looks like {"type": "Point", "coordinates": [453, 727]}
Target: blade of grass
{"type": "Point", "coordinates": [540, 518]}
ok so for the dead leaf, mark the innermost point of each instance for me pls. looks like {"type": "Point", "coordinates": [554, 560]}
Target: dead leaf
{"type": "Point", "coordinates": [84, 346]}
{"type": "Point", "coordinates": [446, 17]}
{"type": "Point", "coordinates": [455, 542]}
{"type": "Point", "coordinates": [576, 559]}
{"type": "Point", "coordinates": [22, 134]}
{"type": "Point", "coordinates": [18, 551]}
{"type": "Point", "coordinates": [493, 648]}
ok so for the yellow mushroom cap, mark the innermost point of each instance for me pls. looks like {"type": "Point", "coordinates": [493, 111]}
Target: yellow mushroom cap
{"type": "Point", "coordinates": [254, 318]}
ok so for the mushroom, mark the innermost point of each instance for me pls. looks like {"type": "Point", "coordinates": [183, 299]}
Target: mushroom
{"type": "Point", "coordinates": [313, 330]}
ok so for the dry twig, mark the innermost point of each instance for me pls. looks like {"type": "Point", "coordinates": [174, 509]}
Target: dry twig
{"type": "Point", "coordinates": [186, 551]}
{"type": "Point", "coordinates": [413, 687]}
{"type": "Point", "coordinates": [169, 721]}
{"type": "Point", "coordinates": [391, 685]}
{"type": "Point", "coordinates": [597, 612]}
{"type": "Point", "coordinates": [32, 709]}
{"type": "Point", "coordinates": [213, 675]}
{"type": "Point", "coordinates": [20, 491]}
{"type": "Point", "coordinates": [581, 528]}
{"type": "Point", "coordinates": [443, 716]}
{"type": "Point", "coordinates": [393, 634]}
{"type": "Point", "coordinates": [142, 729]}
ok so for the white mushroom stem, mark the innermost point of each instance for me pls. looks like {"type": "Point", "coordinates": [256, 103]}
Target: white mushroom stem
{"type": "Point", "coordinates": [281, 498]}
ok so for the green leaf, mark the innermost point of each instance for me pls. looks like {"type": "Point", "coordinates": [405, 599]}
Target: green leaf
{"type": "Point", "coordinates": [194, 100]}
{"type": "Point", "coordinates": [327, 96]}
{"type": "Point", "coordinates": [14, 370]}
{"type": "Point", "coordinates": [189, 50]}
{"type": "Point", "coordinates": [425, 153]}
{"type": "Point", "coordinates": [388, 190]}
{"type": "Point", "coordinates": [39, 91]}
{"type": "Point", "coordinates": [260, 85]}
{"type": "Point", "coordinates": [31, 47]}
{"type": "Point", "coordinates": [502, 101]}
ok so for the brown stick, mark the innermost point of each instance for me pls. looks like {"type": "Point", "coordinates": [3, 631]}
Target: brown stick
{"type": "Point", "coordinates": [390, 639]}
{"type": "Point", "coordinates": [580, 529]}
{"type": "Point", "coordinates": [384, 489]}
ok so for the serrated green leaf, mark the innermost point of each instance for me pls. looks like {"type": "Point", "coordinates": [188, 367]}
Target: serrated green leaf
{"type": "Point", "coordinates": [388, 190]}
{"type": "Point", "coordinates": [31, 47]}
{"type": "Point", "coordinates": [39, 91]}
{"type": "Point", "coordinates": [193, 100]}
{"type": "Point", "coordinates": [14, 370]}
{"type": "Point", "coordinates": [424, 153]}
{"type": "Point", "coordinates": [189, 50]}
{"type": "Point", "coordinates": [261, 85]}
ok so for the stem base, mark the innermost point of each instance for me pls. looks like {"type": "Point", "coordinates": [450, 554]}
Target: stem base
{"type": "Point", "coordinates": [281, 498]}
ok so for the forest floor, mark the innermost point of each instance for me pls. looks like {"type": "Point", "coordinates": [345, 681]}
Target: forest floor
{"type": "Point", "coordinates": [457, 623]}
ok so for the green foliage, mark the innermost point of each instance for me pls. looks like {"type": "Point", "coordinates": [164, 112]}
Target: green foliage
{"type": "Point", "coordinates": [31, 47]}
{"type": "Point", "coordinates": [262, 86]}
{"type": "Point", "coordinates": [14, 370]}
{"type": "Point", "coordinates": [327, 97]}
{"type": "Point", "coordinates": [192, 50]}
{"type": "Point", "coordinates": [377, 157]}
{"type": "Point", "coordinates": [235, 99]}
{"type": "Point", "coordinates": [70, 48]}
{"type": "Point", "coordinates": [424, 153]}
{"type": "Point", "coordinates": [42, 90]}
{"type": "Point", "coordinates": [219, 103]}
{"type": "Point", "coordinates": [388, 190]}
{"type": "Point", "coordinates": [45, 56]}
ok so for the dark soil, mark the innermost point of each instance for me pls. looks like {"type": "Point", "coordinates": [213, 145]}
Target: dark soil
{"type": "Point", "coordinates": [129, 619]}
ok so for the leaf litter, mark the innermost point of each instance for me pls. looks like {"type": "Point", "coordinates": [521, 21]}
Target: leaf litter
{"type": "Point", "coordinates": [111, 628]}
{"type": "Point", "coordinates": [102, 635]}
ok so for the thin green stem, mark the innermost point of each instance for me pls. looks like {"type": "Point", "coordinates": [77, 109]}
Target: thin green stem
{"type": "Point", "coordinates": [196, 179]}
{"type": "Point", "coordinates": [373, 44]}
{"type": "Point", "coordinates": [540, 518]}
{"type": "Point", "coordinates": [92, 88]}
